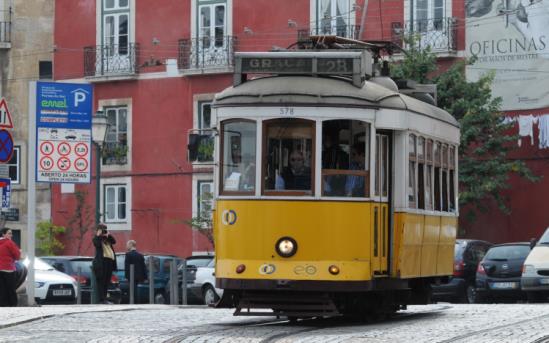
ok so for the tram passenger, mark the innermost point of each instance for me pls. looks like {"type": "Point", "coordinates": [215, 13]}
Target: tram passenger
{"type": "Point", "coordinates": [333, 157]}
{"type": "Point", "coordinates": [296, 176]}
{"type": "Point", "coordinates": [354, 185]}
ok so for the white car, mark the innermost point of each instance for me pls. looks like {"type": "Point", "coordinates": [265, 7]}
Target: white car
{"type": "Point", "coordinates": [203, 286]}
{"type": "Point", "coordinates": [51, 286]}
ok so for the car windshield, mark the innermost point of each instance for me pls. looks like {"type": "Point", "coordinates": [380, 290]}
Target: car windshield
{"type": "Point", "coordinates": [545, 238]}
{"type": "Point", "coordinates": [39, 264]}
{"type": "Point", "coordinates": [508, 252]}
{"type": "Point", "coordinates": [84, 265]}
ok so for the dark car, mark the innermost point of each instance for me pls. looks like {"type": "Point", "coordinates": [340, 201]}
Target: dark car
{"type": "Point", "coordinates": [461, 286]}
{"type": "Point", "coordinates": [70, 265]}
{"type": "Point", "coordinates": [499, 272]}
{"type": "Point", "coordinates": [161, 265]}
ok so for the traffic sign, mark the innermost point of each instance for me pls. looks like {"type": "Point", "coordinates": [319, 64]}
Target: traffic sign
{"type": "Point", "coordinates": [63, 132]}
{"type": "Point", "coordinates": [6, 146]}
{"type": "Point", "coordinates": [5, 116]}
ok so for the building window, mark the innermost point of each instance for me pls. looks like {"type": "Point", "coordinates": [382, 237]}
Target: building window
{"type": "Point", "coordinates": [211, 24]}
{"type": "Point", "coordinates": [14, 166]}
{"type": "Point", "coordinates": [115, 203]}
{"type": "Point", "coordinates": [45, 70]}
{"type": "Point", "coordinates": [204, 115]}
{"type": "Point", "coordinates": [335, 17]}
{"type": "Point", "coordinates": [116, 26]}
{"type": "Point", "coordinates": [204, 198]}
{"type": "Point", "coordinates": [428, 15]}
{"type": "Point", "coordinates": [115, 150]}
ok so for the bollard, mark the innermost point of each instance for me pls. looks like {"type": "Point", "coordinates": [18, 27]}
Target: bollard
{"type": "Point", "coordinates": [184, 283]}
{"type": "Point", "coordinates": [151, 281]}
{"type": "Point", "coordinates": [79, 286]}
{"type": "Point", "coordinates": [173, 282]}
{"type": "Point", "coordinates": [131, 284]}
{"type": "Point", "coordinates": [94, 296]}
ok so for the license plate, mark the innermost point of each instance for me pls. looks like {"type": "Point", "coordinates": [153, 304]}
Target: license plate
{"type": "Point", "coordinates": [544, 281]}
{"type": "Point", "coordinates": [504, 285]}
{"type": "Point", "coordinates": [61, 292]}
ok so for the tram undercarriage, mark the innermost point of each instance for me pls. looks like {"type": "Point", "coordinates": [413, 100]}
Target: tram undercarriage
{"type": "Point", "coordinates": [379, 300]}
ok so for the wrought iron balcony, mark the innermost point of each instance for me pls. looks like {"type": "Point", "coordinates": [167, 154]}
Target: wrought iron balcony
{"type": "Point", "coordinates": [106, 60]}
{"type": "Point", "coordinates": [206, 52]}
{"type": "Point", "coordinates": [5, 26]}
{"type": "Point", "coordinates": [347, 31]}
{"type": "Point", "coordinates": [438, 34]}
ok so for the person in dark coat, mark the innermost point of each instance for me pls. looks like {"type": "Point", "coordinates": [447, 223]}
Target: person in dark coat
{"type": "Point", "coordinates": [104, 261]}
{"type": "Point", "coordinates": [138, 260]}
{"type": "Point", "coordinates": [9, 253]}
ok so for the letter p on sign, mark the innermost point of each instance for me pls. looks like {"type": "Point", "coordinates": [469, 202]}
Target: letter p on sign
{"type": "Point", "coordinates": [79, 97]}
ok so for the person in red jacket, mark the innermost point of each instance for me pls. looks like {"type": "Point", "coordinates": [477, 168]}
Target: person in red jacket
{"type": "Point", "coordinates": [9, 253]}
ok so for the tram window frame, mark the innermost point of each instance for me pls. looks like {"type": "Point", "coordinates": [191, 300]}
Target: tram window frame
{"type": "Point", "coordinates": [444, 178]}
{"type": "Point", "coordinates": [429, 174]}
{"type": "Point", "coordinates": [287, 156]}
{"type": "Point", "coordinates": [339, 174]}
{"type": "Point", "coordinates": [420, 151]}
{"type": "Point", "coordinates": [412, 168]}
{"type": "Point", "coordinates": [247, 171]}
{"type": "Point", "coordinates": [452, 178]}
{"type": "Point", "coordinates": [437, 176]}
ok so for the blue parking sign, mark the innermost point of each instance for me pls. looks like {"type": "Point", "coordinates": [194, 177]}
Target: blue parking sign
{"type": "Point", "coordinates": [6, 192]}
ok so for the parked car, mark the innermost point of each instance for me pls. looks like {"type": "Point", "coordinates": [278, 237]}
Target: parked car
{"type": "Point", "coordinates": [161, 271]}
{"type": "Point", "coordinates": [461, 286]}
{"type": "Point", "coordinates": [50, 285]}
{"type": "Point", "coordinates": [70, 265]}
{"type": "Point", "coordinates": [203, 286]}
{"type": "Point", "coordinates": [499, 272]}
{"type": "Point", "coordinates": [192, 263]}
{"type": "Point", "coordinates": [535, 272]}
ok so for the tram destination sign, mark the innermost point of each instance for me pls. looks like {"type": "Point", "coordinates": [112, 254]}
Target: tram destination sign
{"type": "Point", "coordinates": [355, 64]}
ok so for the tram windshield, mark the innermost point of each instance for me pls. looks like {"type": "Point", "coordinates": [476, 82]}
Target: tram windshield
{"type": "Point", "coordinates": [238, 159]}
{"type": "Point", "coordinates": [289, 156]}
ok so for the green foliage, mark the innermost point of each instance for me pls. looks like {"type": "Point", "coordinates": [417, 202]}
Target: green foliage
{"type": "Point", "coordinates": [484, 166]}
{"type": "Point", "coordinates": [47, 242]}
{"type": "Point", "coordinates": [203, 222]}
{"type": "Point", "coordinates": [417, 64]}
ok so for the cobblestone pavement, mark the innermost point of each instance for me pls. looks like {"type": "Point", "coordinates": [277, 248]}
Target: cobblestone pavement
{"type": "Point", "coordinates": [160, 323]}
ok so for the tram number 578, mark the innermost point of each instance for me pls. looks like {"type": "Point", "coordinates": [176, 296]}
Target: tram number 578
{"type": "Point", "coordinates": [286, 111]}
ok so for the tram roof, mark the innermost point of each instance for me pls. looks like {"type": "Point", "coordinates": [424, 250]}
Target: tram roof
{"type": "Point", "coordinates": [324, 91]}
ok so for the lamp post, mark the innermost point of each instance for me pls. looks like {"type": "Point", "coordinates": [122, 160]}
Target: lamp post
{"type": "Point", "coordinates": [99, 132]}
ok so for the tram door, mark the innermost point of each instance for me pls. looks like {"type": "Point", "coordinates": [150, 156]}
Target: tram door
{"type": "Point", "coordinates": [380, 208]}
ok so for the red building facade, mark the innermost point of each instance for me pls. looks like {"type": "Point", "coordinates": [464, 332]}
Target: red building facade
{"type": "Point", "coordinates": [156, 66]}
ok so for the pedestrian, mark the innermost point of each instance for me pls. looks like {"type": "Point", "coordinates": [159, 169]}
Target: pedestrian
{"type": "Point", "coordinates": [104, 261]}
{"type": "Point", "coordinates": [139, 270]}
{"type": "Point", "coordinates": [9, 253]}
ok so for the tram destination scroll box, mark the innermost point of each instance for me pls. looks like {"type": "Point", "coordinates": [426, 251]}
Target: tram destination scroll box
{"type": "Point", "coordinates": [356, 64]}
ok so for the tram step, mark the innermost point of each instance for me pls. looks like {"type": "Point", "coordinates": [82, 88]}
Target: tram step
{"type": "Point", "coordinates": [285, 304]}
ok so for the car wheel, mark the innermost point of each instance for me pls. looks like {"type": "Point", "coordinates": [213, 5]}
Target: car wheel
{"type": "Point", "coordinates": [210, 297]}
{"type": "Point", "coordinates": [471, 294]}
{"type": "Point", "coordinates": [159, 298]}
{"type": "Point", "coordinates": [536, 297]}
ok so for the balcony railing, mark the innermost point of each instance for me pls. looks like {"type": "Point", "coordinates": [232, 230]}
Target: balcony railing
{"type": "Point", "coordinates": [105, 60]}
{"type": "Point", "coordinates": [206, 52]}
{"type": "Point", "coordinates": [438, 34]}
{"type": "Point", "coordinates": [5, 26]}
{"type": "Point", "coordinates": [347, 31]}
{"type": "Point", "coordinates": [114, 153]}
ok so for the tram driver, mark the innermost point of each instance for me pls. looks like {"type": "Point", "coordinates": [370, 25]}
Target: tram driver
{"type": "Point", "coordinates": [296, 176]}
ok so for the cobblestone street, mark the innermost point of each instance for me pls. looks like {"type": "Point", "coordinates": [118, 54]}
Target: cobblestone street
{"type": "Point", "coordinates": [159, 323]}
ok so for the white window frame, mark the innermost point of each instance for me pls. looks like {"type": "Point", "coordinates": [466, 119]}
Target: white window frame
{"type": "Point", "coordinates": [117, 181]}
{"type": "Point", "coordinates": [315, 15]}
{"type": "Point", "coordinates": [105, 104]}
{"type": "Point", "coordinates": [101, 13]}
{"type": "Point", "coordinates": [195, 4]}
{"type": "Point", "coordinates": [17, 165]}
{"type": "Point", "coordinates": [410, 11]}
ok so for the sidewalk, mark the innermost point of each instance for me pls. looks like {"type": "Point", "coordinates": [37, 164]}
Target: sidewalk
{"type": "Point", "coordinates": [10, 316]}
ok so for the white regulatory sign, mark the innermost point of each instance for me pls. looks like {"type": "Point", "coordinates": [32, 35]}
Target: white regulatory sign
{"type": "Point", "coordinates": [63, 155]}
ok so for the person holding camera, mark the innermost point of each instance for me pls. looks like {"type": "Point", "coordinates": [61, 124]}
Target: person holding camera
{"type": "Point", "coordinates": [104, 261]}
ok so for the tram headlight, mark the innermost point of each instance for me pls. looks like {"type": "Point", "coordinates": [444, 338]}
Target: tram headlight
{"type": "Point", "coordinates": [286, 247]}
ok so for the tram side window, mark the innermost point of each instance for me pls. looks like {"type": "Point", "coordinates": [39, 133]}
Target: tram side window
{"type": "Point", "coordinates": [412, 172]}
{"type": "Point", "coordinates": [345, 158]}
{"type": "Point", "coordinates": [452, 167]}
{"type": "Point", "coordinates": [429, 175]}
{"type": "Point", "coordinates": [420, 173]}
{"type": "Point", "coordinates": [289, 161]}
{"type": "Point", "coordinates": [445, 177]}
{"type": "Point", "coordinates": [238, 159]}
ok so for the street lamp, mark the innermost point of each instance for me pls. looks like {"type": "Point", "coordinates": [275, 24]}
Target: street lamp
{"type": "Point", "coordinates": [99, 132]}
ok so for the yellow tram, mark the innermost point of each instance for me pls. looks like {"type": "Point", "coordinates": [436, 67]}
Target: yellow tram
{"type": "Point", "coordinates": [336, 193]}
